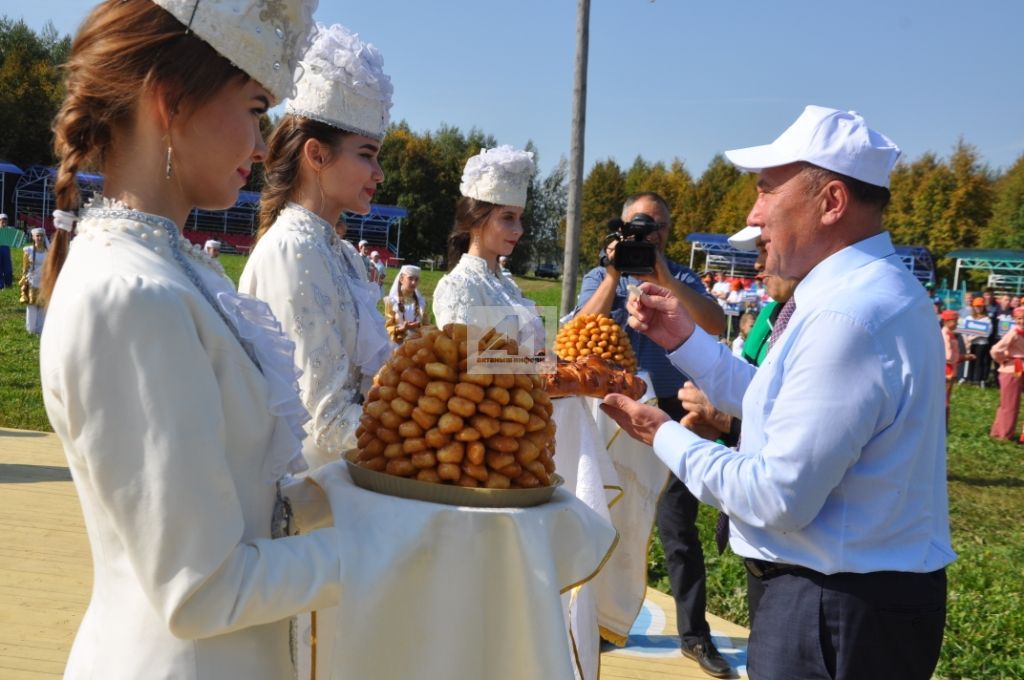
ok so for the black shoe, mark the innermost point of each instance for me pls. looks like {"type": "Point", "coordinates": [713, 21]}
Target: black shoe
{"type": "Point", "coordinates": [704, 652]}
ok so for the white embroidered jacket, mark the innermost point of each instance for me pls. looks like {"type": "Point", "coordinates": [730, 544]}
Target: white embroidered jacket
{"type": "Point", "coordinates": [174, 437]}
{"type": "Point", "coordinates": [317, 290]}
{"type": "Point", "coordinates": [472, 284]}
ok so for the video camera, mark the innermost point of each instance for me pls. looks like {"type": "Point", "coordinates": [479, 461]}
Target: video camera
{"type": "Point", "coordinates": [633, 254]}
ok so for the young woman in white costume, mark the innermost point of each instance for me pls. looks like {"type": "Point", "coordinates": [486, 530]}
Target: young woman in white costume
{"type": "Point", "coordinates": [174, 397]}
{"type": "Point", "coordinates": [404, 307]}
{"type": "Point", "coordinates": [322, 160]}
{"type": "Point", "coordinates": [488, 224]}
{"type": "Point", "coordinates": [33, 258]}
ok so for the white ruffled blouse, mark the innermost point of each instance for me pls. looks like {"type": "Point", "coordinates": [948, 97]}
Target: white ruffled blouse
{"type": "Point", "coordinates": [463, 293]}
{"type": "Point", "coordinates": [175, 400]}
{"type": "Point", "coordinates": [314, 285]}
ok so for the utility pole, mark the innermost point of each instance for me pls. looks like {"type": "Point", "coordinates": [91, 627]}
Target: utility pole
{"type": "Point", "coordinates": [579, 120]}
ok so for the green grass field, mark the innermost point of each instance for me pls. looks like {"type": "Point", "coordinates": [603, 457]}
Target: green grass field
{"type": "Point", "coordinates": [985, 620]}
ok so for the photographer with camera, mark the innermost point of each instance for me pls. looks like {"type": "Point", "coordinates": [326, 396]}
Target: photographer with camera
{"type": "Point", "coordinates": [634, 253]}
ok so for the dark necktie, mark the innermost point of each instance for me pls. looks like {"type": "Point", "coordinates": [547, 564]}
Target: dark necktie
{"type": "Point", "coordinates": [781, 321]}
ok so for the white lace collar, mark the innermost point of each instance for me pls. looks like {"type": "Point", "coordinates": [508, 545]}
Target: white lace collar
{"type": "Point", "coordinates": [156, 232]}
{"type": "Point", "coordinates": [304, 219]}
{"type": "Point", "coordinates": [475, 265]}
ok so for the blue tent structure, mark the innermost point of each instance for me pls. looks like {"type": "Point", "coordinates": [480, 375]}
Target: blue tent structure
{"type": "Point", "coordinates": [235, 227]}
{"type": "Point", "coordinates": [33, 194]}
{"type": "Point", "coordinates": [7, 169]}
{"type": "Point", "coordinates": [1005, 267]}
{"type": "Point", "coordinates": [376, 227]}
{"type": "Point", "coordinates": [722, 257]}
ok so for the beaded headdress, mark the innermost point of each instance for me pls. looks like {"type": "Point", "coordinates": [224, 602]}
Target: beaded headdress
{"type": "Point", "coordinates": [264, 38]}
{"type": "Point", "coordinates": [343, 84]}
{"type": "Point", "coordinates": [500, 175]}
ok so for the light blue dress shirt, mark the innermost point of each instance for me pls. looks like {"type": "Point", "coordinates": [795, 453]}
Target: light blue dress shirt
{"type": "Point", "coordinates": [842, 458]}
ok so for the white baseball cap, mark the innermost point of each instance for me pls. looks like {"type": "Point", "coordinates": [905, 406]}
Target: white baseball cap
{"type": "Point", "coordinates": [836, 140]}
{"type": "Point", "coordinates": [746, 238]}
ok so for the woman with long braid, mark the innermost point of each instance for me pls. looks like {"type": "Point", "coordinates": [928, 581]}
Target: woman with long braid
{"type": "Point", "coordinates": [173, 396]}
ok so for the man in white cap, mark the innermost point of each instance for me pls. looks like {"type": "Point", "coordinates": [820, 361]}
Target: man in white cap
{"type": "Point", "coordinates": [212, 248]}
{"type": "Point", "coordinates": [379, 271]}
{"type": "Point", "coordinates": [364, 252]}
{"type": "Point", "coordinates": [837, 493]}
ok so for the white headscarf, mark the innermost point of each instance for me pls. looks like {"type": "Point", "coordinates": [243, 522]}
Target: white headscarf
{"type": "Point", "coordinates": [396, 290]}
{"type": "Point", "coordinates": [39, 231]}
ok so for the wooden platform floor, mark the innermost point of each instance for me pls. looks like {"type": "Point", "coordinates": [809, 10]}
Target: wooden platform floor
{"type": "Point", "coordinates": [46, 576]}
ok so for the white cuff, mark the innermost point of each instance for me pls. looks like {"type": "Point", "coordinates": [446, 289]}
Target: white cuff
{"type": "Point", "coordinates": [670, 444]}
{"type": "Point", "coordinates": [691, 357]}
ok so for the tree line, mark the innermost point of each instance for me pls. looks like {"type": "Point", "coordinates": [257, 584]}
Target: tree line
{"type": "Point", "coordinates": [942, 203]}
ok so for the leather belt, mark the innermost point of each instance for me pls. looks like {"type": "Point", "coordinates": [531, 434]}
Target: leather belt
{"type": "Point", "coordinates": [760, 569]}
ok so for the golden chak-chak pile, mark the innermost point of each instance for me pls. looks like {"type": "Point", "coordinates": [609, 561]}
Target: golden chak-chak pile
{"type": "Point", "coordinates": [427, 418]}
{"type": "Point", "coordinates": [595, 335]}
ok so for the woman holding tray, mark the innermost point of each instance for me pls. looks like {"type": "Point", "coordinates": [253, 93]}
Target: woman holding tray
{"type": "Point", "coordinates": [174, 397]}
{"type": "Point", "coordinates": [488, 224]}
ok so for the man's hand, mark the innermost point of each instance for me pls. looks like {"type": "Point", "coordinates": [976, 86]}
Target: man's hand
{"type": "Point", "coordinates": [640, 421]}
{"type": "Point", "coordinates": [694, 422]}
{"type": "Point", "coordinates": [701, 416]}
{"type": "Point", "coordinates": [609, 268]}
{"type": "Point", "coordinates": [658, 314]}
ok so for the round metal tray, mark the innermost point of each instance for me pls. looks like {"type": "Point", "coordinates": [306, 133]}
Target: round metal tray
{"type": "Point", "coordinates": [448, 494]}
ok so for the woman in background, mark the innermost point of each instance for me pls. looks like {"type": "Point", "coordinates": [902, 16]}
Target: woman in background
{"type": "Point", "coordinates": [488, 224]}
{"type": "Point", "coordinates": [33, 258]}
{"type": "Point", "coordinates": [322, 161]}
{"type": "Point", "coordinates": [174, 397]}
{"type": "Point", "coordinates": [405, 309]}
{"type": "Point", "coordinates": [1008, 354]}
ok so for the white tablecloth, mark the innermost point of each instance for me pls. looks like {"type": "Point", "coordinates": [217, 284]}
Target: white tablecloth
{"type": "Point", "coordinates": [620, 586]}
{"type": "Point", "coordinates": [453, 593]}
{"type": "Point", "coordinates": [582, 460]}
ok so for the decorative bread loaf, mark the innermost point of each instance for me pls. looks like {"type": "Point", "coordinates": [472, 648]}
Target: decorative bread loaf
{"type": "Point", "coordinates": [595, 335]}
{"type": "Point", "coordinates": [426, 417]}
{"type": "Point", "coordinates": [591, 376]}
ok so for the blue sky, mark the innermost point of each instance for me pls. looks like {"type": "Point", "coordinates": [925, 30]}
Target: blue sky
{"type": "Point", "coordinates": [680, 79]}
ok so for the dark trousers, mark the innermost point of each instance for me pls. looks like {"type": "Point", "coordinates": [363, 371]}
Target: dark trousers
{"type": "Point", "coordinates": [979, 367]}
{"type": "Point", "coordinates": [684, 558]}
{"type": "Point", "coordinates": [878, 626]}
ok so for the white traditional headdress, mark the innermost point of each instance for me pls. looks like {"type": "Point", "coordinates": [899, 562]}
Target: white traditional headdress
{"type": "Point", "coordinates": [500, 175]}
{"type": "Point", "coordinates": [396, 290]}
{"type": "Point", "coordinates": [343, 84]}
{"type": "Point", "coordinates": [212, 243]}
{"type": "Point", "coordinates": [264, 38]}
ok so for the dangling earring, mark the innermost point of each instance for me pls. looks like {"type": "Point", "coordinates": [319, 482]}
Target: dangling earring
{"type": "Point", "coordinates": [322, 197]}
{"type": "Point", "coordinates": [168, 168]}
